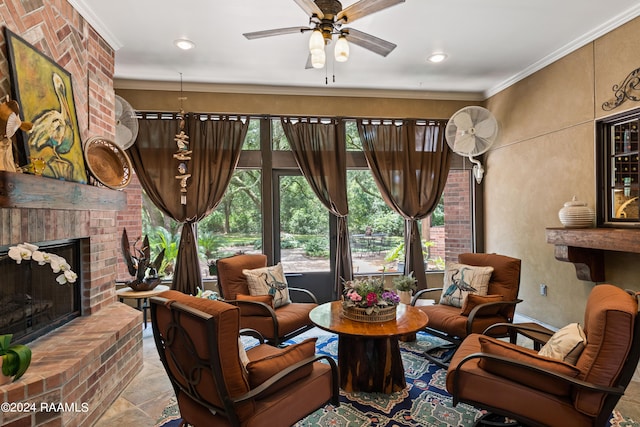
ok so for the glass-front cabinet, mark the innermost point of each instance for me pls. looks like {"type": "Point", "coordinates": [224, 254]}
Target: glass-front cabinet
{"type": "Point", "coordinates": [619, 170]}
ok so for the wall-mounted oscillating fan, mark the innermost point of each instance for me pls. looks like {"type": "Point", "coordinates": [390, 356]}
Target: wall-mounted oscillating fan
{"type": "Point", "coordinates": [126, 123]}
{"type": "Point", "coordinates": [470, 132]}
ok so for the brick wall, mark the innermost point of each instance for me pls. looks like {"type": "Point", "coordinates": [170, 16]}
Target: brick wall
{"type": "Point", "coordinates": [91, 359]}
{"type": "Point", "coordinates": [457, 214]}
{"type": "Point", "coordinates": [131, 219]}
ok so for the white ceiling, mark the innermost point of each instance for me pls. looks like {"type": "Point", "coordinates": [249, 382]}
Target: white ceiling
{"type": "Point", "coordinates": [490, 43]}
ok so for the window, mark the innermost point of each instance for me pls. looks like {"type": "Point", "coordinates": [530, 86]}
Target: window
{"type": "Point", "coordinates": [269, 208]}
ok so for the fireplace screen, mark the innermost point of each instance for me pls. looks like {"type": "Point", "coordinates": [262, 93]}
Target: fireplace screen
{"type": "Point", "coordinates": [31, 301]}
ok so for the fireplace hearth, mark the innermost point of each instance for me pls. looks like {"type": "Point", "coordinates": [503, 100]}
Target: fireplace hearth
{"type": "Point", "coordinates": [32, 303]}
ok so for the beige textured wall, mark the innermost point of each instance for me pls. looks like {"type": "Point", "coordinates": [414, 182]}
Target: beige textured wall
{"type": "Point", "coordinates": [545, 155]}
{"type": "Point", "coordinates": [158, 100]}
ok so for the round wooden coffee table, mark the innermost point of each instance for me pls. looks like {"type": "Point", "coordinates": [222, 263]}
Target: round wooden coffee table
{"type": "Point", "coordinates": [368, 353]}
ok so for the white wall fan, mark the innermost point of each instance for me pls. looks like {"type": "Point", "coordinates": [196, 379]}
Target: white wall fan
{"type": "Point", "coordinates": [126, 123]}
{"type": "Point", "coordinates": [470, 132]}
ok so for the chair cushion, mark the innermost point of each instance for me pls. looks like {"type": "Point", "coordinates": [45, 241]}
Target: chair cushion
{"type": "Point", "coordinates": [462, 279]}
{"type": "Point", "coordinates": [447, 318]}
{"type": "Point", "coordinates": [231, 280]}
{"type": "Point", "coordinates": [252, 309]}
{"type": "Point", "coordinates": [566, 344]}
{"type": "Point", "coordinates": [291, 317]}
{"type": "Point", "coordinates": [268, 281]}
{"type": "Point", "coordinates": [474, 300]}
{"type": "Point", "coordinates": [473, 384]}
{"type": "Point", "coordinates": [262, 369]}
{"type": "Point", "coordinates": [518, 374]}
{"type": "Point", "coordinates": [608, 323]}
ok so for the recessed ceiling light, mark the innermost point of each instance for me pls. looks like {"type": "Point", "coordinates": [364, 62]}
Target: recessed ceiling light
{"type": "Point", "coordinates": [184, 44]}
{"type": "Point", "coordinates": [437, 57]}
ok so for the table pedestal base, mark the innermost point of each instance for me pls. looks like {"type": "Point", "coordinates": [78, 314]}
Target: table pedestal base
{"type": "Point", "coordinates": [370, 364]}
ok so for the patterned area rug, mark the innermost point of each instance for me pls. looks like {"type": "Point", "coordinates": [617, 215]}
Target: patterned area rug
{"type": "Point", "coordinates": [423, 403]}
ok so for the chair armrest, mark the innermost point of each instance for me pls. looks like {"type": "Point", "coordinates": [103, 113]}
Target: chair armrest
{"type": "Point", "coordinates": [619, 391]}
{"type": "Point", "coordinates": [478, 309]}
{"type": "Point", "coordinates": [306, 292]}
{"type": "Point", "coordinates": [260, 306]}
{"type": "Point", "coordinates": [422, 292]}
{"type": "Point", "coordinates": [518, 328]}
{"type": "Point", "coordinates": [252, 333]}
{"type": "Point", "coordinates": [265, 386]}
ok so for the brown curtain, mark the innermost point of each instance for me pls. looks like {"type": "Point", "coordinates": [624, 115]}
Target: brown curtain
{"type": "Point", "coordinates": [216, 142]}
{"type": "Point", "coordinates": [320, 151]}
{"type": "Point", "coordinates": [410, 164]}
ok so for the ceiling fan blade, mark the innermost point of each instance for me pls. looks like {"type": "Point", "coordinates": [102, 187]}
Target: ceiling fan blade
{"type": "Point", "coordinates": [275, 32]}
{"type": "Point", "coordinates": [363, 8]}
{"type": "Point", "coordinates": [308, 65]}
{"type": "Point", "coordinates": [310, 8]}
{"type": "Point", "coordinates": [367, 41]}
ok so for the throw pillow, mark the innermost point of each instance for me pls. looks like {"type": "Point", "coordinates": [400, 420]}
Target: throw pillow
{"type": "Point", "coordinates": [521, 375]}
{"type": "Point", "coordinates": [473, 300]}
{"type": "Point", "coordinates": [566, 344]}
{"type": "Point", "coordinates": [254, 309]}
{"type": "Point", "coordinates": [461, 280]}
{"type": "Point", "coordinates": [243, 356]}
{"type": "Point", "coordinates": [268, 281]}
{"type": "Point", "coordinates": [262, 369]}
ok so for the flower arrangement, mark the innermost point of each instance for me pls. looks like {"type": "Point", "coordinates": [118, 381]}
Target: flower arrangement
{"type": "Point", "coordinates": [28, 251]}
{"type": "Point", "coordinates": [369, 293]}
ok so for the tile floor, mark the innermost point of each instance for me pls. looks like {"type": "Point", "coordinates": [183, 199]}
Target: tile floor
{"type": "Point", "coordinates": [142, 402]}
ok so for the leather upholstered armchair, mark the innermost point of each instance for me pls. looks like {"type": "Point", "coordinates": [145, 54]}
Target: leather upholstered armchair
{"type": "Point", "coordinates": [217, 384]}
{"type": "Point", "coordinates": [518, 383]}
{"type": "Point", "coordinates": [448, 322]}
{"type": "Point", "coordinates": [275, 324]}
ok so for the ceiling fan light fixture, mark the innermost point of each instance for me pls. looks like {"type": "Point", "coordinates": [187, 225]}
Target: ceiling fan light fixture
{"type": "Point", "coordinates": [342, 49]}
{"type": "Point", "coordinates": [318, 59]}
{"type": "Point", "coordinates": [437, 57]}
{"type": "Point", "coordinates": [184, 44]}
{"type": "Point", "coordinates": [316, 42]}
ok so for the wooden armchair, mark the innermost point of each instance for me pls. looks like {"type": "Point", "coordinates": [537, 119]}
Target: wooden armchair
{"type": "Point", "coordinates": [451, 324]}
{"type": "Point", "coordinates": [217, 383]}
{"type": "Point", "coordinates": [535, 390]}
{"type": "Point", "coordinates": [275, 324]}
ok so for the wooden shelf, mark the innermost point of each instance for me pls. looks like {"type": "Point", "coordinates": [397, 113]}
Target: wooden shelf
{"type": "Point", "coordinates": [21, 190]}
{"type": "Point", "coordinates": [585, 247]}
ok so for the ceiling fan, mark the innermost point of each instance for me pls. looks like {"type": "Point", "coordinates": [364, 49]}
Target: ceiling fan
{"type": "Point", "coordinates": [326, 18]}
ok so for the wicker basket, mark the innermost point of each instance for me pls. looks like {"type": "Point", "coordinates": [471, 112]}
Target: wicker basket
{"type": "Point", "coordinates": [360, 315]}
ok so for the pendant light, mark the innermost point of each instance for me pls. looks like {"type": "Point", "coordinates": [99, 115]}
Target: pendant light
{"type": "Point", "coordinates": [316, 42]}
{"type": "Point", "coordinates": [341, 51]}
{"type": "Point", "coordinates": [318, 59]}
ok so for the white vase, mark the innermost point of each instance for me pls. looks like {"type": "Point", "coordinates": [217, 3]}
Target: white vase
{"type": "Point", "coordinates": [576, 214]}
{"type": "Point", "coordinates": [405, 296]}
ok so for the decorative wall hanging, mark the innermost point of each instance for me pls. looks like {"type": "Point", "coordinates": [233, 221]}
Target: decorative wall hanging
{"type": "Point", "coordinates": [45, 93]}
{"type": "Point", "coordinates": [623, 91]}
{"type": "Point", "coordinates": [183, 154]}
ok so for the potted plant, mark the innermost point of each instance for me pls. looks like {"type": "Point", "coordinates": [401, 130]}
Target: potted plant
{"type": "Point", "coordinates": [405, 285]}
{"type": "Point", "coordinates": [14, 359]}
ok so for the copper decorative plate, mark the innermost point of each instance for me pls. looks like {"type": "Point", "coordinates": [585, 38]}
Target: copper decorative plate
{"type": "Point", "coordinates": [108, 163]}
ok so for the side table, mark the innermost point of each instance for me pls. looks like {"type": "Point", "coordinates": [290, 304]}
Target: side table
{"type": "Point", "coordinates": [141, 297]}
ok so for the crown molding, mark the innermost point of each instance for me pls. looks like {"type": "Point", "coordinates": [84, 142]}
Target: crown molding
{"type": "Point", "coordinates": [87, 13]}
{"type": "Point", "coordinates": [133, 84]}
{"type": "Point", "coordinates": [581, 41]}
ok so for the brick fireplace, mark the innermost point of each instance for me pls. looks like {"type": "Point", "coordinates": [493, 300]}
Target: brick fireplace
{"type": "Point", "coordinates": [87, 362]}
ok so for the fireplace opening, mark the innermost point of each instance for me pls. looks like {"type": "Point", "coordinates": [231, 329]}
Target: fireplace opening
{"type": "Point", "coordinates": [32, 303]}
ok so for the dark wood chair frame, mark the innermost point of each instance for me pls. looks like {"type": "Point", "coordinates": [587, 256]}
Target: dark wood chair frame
{"type": "Point", "coordinates": [214, 364]}
{"type": "Point", "coordinates": [613, 394]}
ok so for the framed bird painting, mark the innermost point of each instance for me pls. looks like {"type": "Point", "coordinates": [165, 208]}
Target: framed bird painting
{"type": "Point", "coordinates": [44, 91]}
